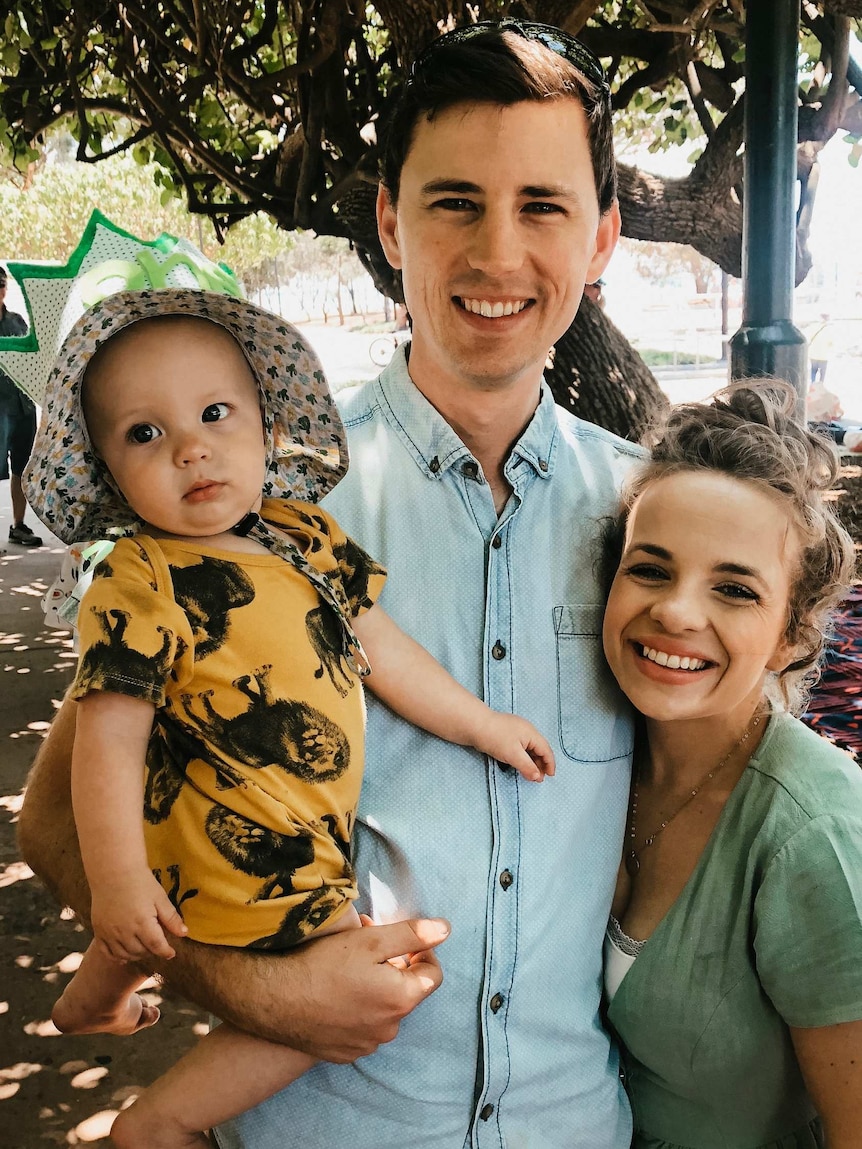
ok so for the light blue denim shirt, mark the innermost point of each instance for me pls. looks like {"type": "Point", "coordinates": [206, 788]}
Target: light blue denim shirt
{"type": "Point", "coordinates": [510, 1051]}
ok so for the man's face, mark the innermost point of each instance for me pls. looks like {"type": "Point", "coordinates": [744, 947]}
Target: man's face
{"type": "Point", "coordinates": [496, 231]}
{"type": "Point", "coordinates": [2, 293]}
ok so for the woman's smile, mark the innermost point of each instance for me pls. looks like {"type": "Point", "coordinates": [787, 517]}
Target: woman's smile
{"type": "Point", "coordinates": [660, 658]}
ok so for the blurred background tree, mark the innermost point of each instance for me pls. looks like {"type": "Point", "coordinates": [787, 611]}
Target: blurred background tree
{"type": "Point", "coordinates": [241, 107]}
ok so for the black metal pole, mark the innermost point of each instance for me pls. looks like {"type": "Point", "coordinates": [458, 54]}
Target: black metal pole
{"type": "Point", "coordinates": [767, 343]}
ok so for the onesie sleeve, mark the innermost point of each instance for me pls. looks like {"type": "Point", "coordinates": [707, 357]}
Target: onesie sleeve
{"type": "Point", "coordinates": [355, 577]}
{"type": "Point", "coordinates": [808, 924]}
{"type": "Point", "coordinates": [359, 577]}
{"type": "Point", "coordinates": [133, 637]}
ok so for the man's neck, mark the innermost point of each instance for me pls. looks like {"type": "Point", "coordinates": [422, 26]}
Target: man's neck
{"type": "Point", "coordinates": [488, 423]}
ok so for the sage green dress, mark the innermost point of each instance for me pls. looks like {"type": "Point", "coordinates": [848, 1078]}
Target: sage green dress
{"type": "Point", "coordinates": [766, 934]}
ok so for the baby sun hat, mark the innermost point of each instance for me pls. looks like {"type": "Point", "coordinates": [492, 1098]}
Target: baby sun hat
{"type": "Point", "coordinates": [74, 495]}
{"type": "Point", "coordinates": [306, 447]}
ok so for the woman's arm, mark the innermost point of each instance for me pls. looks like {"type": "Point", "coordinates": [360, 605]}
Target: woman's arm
{"type": "Point", "coordinates": [830, 1057]}
{"type": "Point", "coordinates": [406, 677]}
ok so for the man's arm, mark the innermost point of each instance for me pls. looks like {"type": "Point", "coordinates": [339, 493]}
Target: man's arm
{"type": "Point", "coordinates": [46, 828]}
{"type": "Point", "coordinates": [337, 998]}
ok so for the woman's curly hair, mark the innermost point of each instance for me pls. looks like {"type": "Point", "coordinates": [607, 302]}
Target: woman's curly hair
{"type": "Point", "coordinates": [750, 431]}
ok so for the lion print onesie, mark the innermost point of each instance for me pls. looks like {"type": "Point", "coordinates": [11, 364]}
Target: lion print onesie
{"type": "Point", "coordinates": [255, 760]}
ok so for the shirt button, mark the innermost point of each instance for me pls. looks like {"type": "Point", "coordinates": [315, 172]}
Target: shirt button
{"type": "Point", "coordinates": [498, 651]}
{"type": "Point", "coordinates": [506, 879]}
{"type": "Point", "coordinates": [434, 465]}
{"type": "Point", "coordinates": [486, 1111]}
{"type": "Point", "coordinates": [543, 464]}
{"type": "Point", "coordinates": [470, 469]}
{"type": "Point", "coordinates": [497, 542]}
{"type": "Point", "coordinates": [495, 1002]}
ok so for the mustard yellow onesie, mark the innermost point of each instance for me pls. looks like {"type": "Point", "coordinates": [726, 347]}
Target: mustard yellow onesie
{"type": "Point", "coordinates": [256, 756]}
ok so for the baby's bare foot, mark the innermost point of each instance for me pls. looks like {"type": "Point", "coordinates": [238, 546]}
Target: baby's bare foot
{"type": "Point", "coordinates": [74, 1014]}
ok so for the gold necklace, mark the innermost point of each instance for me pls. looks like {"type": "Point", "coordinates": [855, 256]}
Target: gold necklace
{"type": "Point", "coordinates": [632, 859]}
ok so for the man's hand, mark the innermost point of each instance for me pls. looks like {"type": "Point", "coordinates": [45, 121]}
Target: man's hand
{"type": "Point", "coordinates": [130, 917]}
{"type": "Point", "coordinates": [337, 998]}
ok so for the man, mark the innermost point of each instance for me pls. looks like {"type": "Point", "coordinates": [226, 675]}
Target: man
{"type": "Point", "coordinates": [17, 429]}
{"type": "Point", "coordinates": [482, 498]}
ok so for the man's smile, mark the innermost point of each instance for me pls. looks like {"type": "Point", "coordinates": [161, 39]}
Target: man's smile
{"type": "Point", "coordinates": [493, 309]}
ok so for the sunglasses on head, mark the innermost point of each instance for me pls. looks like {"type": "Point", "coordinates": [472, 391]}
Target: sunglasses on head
{"type": "Point", "coordinates": [559, 42]}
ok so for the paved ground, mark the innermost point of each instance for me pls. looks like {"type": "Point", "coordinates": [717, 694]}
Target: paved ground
{"type": "Point", "coordinates": [54, 1090]}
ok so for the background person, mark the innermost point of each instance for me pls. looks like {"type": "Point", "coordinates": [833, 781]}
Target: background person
{"type": "Point", "coordinates": [17, 428]}
{"type": "Point", "coordinates": [481, 497]}
{"type": "Point", "coordinates": [732, 956]}
{"type": "Point", "coordinates": [820, 350]}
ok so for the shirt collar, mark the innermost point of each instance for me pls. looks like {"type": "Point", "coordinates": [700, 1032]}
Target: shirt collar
{"type": "Point", "coordinates": [433, 444]}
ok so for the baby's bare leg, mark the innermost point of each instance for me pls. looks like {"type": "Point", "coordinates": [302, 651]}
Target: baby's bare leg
{"type": "Point", "coordinates": [228, 1072]}
{"type": "Point", "coordinates": [101, 998]}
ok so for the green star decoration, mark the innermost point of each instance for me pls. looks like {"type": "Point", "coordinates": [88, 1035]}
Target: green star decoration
{"type": "Point", "coordinates": [106, 260]}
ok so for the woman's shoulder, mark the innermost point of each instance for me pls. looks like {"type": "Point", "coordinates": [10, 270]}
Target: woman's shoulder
{"type": "Point", "coordinates": [806, 772]}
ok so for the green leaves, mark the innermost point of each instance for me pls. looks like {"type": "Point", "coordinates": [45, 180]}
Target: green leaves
{"type": "Point", "coordinates": [46, 221]}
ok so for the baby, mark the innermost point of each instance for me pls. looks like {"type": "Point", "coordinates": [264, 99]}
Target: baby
{"type": "Point", "coordinates": [221, 647]}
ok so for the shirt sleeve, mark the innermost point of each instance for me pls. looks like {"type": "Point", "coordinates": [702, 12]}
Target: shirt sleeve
{"type": "Point", "coordinates": [133, 638]}
{"type": "Point", "coordinates": [808, 924]}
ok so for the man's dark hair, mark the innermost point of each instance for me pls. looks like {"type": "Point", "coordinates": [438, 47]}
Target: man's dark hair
{"type": "Point", "coordinates": [4, 277]}
{"type": "Point", "coordinates": [497, 66]}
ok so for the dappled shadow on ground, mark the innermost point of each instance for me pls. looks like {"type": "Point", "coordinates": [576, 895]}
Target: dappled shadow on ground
{"type": "Point", "coordinates": [54, 1090]}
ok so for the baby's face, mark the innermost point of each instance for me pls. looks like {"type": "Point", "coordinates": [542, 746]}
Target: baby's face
{"type": "Point", "coordinates": [172, 407]}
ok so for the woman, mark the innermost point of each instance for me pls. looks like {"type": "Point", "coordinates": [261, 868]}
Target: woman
{"type": "Point", "coordinates": [734, 952]}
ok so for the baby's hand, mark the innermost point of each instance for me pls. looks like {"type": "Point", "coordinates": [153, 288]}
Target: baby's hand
{"type": "Point", "coordinates": [130, 917]}
{"type": "Point", "coordinates": [518, 743]}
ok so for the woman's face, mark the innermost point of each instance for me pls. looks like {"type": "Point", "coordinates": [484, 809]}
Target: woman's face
{"type": "Point", "coordinates": [699, 606]}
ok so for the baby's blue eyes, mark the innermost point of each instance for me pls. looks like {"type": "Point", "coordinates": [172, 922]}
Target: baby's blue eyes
{"type": "Point", "coordinates": [214, 412]}
{"type": "Point", "coordinates": [144, 433]}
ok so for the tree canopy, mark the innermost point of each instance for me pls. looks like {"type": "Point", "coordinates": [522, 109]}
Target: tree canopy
{"type": "Point", "coordinates": [276, 106]}
{"type": "Point", "coordinates": [48, 220]}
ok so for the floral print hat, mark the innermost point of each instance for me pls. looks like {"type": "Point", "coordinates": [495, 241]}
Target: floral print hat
{"type": "Point", "coordinates": [73, 493]}
{"type": "Point", "coordinates": [68, 485]}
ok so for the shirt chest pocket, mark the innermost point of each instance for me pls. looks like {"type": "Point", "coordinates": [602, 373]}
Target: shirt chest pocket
{"type": "Point", "coordinates": [596, 721]}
